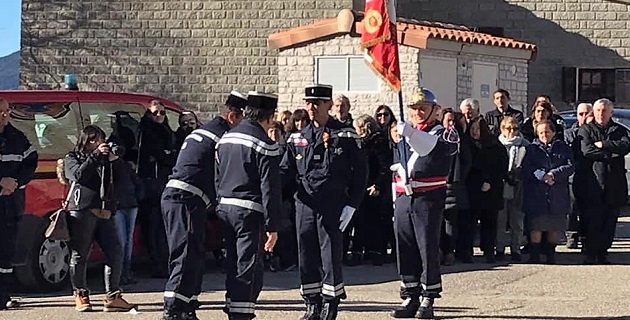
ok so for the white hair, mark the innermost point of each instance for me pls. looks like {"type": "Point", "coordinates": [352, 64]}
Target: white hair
{"type": "Point", "coordinates": [606, 102]}
{"type": "Point", "coordinates": [344, 100]}
{"type": "Point", "coordinates": [474, 103]}
{"type": "Point", "coordinates": [587, 105]}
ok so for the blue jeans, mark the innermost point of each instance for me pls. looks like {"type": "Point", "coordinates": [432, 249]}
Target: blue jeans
{"type": "Point", "coordinates": [125, 222]}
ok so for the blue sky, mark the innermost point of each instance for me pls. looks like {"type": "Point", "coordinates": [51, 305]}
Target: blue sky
{"type": "Point", "coordinates": [10, 16]}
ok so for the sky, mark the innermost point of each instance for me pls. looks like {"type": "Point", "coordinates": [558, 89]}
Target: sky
{"type": "Point", "coordinates": [10, 17]}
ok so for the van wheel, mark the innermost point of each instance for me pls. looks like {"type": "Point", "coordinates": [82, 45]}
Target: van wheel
{"type": "Point", "coordinates": [47, 266]}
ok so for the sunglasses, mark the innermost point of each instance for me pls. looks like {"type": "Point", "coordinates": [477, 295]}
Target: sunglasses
{"type": "Point", "coordinates": [158, 113]}
{"type": "Point", "coordinates": [189, 122]}
{"type": "Point", "coordinates": [384, 114]}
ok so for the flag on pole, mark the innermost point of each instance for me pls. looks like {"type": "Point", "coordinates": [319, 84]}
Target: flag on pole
{"type": "Point", "coordinates": [379, 40]}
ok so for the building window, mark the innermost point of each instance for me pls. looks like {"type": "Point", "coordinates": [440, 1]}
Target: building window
{"type": "Point", "coordinates": [346, 74]}
{"type": "Point", "coordinates": [595, 84]}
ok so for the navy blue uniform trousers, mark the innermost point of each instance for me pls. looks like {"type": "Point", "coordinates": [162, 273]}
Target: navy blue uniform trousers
{"type": "Point", "coordinates": [243, 230]}
{"type": "Point", "coordinates": [417, 222]}
{"type": "Point", "coordinates": [320, 245]}
{"type": "Point", "coordinates": [185, 222]}
{"type": "Point", "coordinates": [9, 218]}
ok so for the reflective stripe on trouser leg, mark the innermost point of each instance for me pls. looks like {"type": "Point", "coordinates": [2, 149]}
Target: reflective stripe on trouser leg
{"type": "Point", "coordinates": [409, 263]}
{"type": "Point", "coordinates": [8, 237]}
{"type": "Point", "coordinates": [185, 228]}
{"type": "Point", "coordinates": [243, 232]}
{"type": "Point", "coordinates": [308, 254]}
{"type": "Point", "coordinates": [331, 246]}
{"type": "Point", "coordinates": [427, 216]}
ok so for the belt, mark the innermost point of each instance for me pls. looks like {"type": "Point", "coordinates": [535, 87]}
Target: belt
{"type": "Point", "coordinates": [247, 204]}
{"type": "Point", "coordinates": [178, 184]}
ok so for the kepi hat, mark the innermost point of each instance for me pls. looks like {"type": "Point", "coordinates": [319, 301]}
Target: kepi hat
{"type": "Point", "coordinates": [318, 92]}
{"type": "Point", "coordinates": [260, 100]}
{"type": "Point", "coordinates": [236, 100]}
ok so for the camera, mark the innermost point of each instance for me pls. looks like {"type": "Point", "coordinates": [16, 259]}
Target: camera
{"type": "Point", "coordinates": [116, 149]}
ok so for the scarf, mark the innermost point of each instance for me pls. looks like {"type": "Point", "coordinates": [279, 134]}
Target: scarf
{"type": "Point", "coordinates": [515, 153]}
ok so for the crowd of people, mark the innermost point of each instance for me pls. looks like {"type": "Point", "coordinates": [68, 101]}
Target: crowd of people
{"type": "Point", "coordinates": [515, 183]}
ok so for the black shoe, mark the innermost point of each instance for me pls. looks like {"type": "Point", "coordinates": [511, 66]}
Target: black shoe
{"type": "Point", "coordinates": [377, 259]}
{"type": "Point", "coordinates": [426, 309]}
{"type": "Point", "coordinates": [500, 256]}
{"type": "Point", "coordinates": [466, 258]}
{"type": "Point", "coordinates": [354, 259]}
{"type": "Point", "coordinates": [516, 257]}
{"type": "Point", "coordinates": [590, 260]}
{"type": "Point", "coordinates": [525, 249]}
{"type": "Point", "coordinates": [534, 253]}
{"type": "Point", "coordinates": [602, 259]}
{"type": "Point", "coordinates": [179, 315]}
{"type": "Point", "coordinates": [312, 312]}
{"type": "Point", "coordinates": [408, 309]}
{"type": "Point", "coordinates": [329, 311]}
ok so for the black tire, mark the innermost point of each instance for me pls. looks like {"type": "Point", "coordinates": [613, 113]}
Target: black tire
{"type": "Point", "coordinates": [47, 266]}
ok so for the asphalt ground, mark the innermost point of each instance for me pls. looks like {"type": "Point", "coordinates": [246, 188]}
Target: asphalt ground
{"type": "Point", "coordinates": [567, 290]}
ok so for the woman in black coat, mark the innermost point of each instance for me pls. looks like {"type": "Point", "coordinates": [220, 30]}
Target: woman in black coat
{"type": "Point", "coordinates": [156, 157]}
{"type": "Point", "coordinates": [485, 183]}
{"type": "Point", "coordinates": [457, 203]}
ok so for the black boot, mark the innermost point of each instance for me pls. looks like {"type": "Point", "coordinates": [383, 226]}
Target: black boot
{"type": "Point", "coordinates": [426, 309]}
{"type": "Point", "coordinates": [551, 255]}
{"type": "Point", "coordinates": [313, 311]}
{"type": "Point", "coordinates": [329, 310]}
{"type": "Point", "coordinates": [179, 315]}
{"type": "Point", "coordinates": [534, 253]}
{"type": "Point", "coordinates": [408, 309]}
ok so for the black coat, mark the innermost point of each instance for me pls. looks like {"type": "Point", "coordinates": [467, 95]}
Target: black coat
{"type": "Point", "coordinates": [157, 154]}
{"type": "Point", "coordinates": [527, 129]}
{"type": "Point", "coordinates": [461, 164]}
{"type": "Point", "coordinates": [603, 169]}
{"type": "Point", "coordinates": [489, 164]}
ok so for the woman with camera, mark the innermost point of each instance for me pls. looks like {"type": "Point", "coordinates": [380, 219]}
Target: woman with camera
{"type": "Point", "coordinates": [90, 168]}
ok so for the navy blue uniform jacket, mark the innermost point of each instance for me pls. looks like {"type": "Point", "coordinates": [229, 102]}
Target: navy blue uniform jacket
{"type": "Point", "coordinates": [18, 160]}
{"type": "Point", "coordinates": [248, 172]}
{"type": "Point", "coordinates": [335, 172]}
{"type": "Point", "coordinates": [196, 160]}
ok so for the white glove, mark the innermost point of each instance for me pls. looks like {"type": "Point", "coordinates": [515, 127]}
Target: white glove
{"type": "Point", "coordinates": [346, 217]}
{"type": "Point", "coordinates": [405, 129]}
{"type": "Point", "coordinates": [539, 174]}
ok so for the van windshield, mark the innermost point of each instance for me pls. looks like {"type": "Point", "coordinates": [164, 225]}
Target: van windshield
{"type": "Point", "coordinates": [50, 127]}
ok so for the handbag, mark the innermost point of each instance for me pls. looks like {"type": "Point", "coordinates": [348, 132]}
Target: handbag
{"type": "Point", "coordinates": [58, 227]}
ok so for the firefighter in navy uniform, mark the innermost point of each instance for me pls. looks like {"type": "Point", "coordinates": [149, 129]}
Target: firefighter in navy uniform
{"type": "Point", "coordinates": [188, 193]}
{"type": "Point", "coordinates": [325, 165]}
{"type": "Point", "coordinates": [19, 160]}
{"type": "Point", "coordinates": [420, 196]}
{"type": "Point", "coordinates": [250, 201]}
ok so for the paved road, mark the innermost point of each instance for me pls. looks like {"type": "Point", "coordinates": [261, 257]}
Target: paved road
{"type": "Point", "coordinates": [477, 291]}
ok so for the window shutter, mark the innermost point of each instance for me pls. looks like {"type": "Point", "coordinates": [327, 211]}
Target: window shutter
{"type": "Point", "coordinates": [361, 78]}
{"type": "Point", "coordinates": [332, 71]}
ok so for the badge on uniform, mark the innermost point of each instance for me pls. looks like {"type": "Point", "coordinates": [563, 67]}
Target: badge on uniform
{"type": "Point", "coordinates": [338, 151]}
{"type": "Point", "coordinates": [298, 156]}
{"type": "Point", "coordinates": [317, 157]}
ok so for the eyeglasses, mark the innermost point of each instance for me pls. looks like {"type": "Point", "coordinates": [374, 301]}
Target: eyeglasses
{"type": "Point", "coordinates": [510, 128]}
{"type": "Point", "coordinates": [382, 114]}
{"type": "Point", "coordinates": [583, 113]}
{"type": "Point", "coordinates": [158, 113]}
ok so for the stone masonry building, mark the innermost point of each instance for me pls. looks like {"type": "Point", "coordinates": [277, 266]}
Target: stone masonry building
{"type": "Point", "coordinates": [193, 52]}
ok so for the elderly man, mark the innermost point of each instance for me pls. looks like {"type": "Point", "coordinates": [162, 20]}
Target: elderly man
{"type": "Point", "coordinates": [470, 108]}
{"type": "Point", "coordinates": [604, 144]}
{"type": "Point", "coordinates": [341, 109]}
{"type": "Point", "coordinates": [575, 223]}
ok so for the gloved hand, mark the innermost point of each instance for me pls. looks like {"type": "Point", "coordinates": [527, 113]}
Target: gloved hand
{"type": "Point", "coordinates": [539, 174]}
{"type": "Point", "coordinates": [346, 216]}
{"type": "Point", "coordinates": [405, 129]}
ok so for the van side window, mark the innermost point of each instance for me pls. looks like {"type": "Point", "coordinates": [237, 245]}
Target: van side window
{"type": "Point", "coordinates": [52, 128]}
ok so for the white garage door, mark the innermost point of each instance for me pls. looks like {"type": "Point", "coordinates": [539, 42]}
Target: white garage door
{"type": "Point", "coordinates": [484, 84]}
{"type": "Point", "coordinates": [440, 76]}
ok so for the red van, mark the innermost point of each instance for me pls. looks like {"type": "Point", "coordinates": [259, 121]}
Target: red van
{"type": "Point", "coordinates": [52, 121]}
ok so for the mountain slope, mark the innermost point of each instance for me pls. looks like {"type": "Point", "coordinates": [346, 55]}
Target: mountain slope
{"type": "Point", "coordinates": [10, 71]}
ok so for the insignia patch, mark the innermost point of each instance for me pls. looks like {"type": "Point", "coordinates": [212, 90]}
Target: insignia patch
{"type": "Point", "coordinates": [338, 151]}
{"type": "Point", "coordinates": [317, 157]}
{"type": "Point", "coordinates": [298, 156]}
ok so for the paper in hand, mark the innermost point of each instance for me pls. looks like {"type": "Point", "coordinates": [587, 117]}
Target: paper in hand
{"type": "Point", "coordinates": [346, 217]}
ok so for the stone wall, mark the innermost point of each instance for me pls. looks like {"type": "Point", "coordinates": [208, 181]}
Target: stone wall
{"type": "Point", "coordinates": [296, 69]}
{"type": "Point", "coordinates": [571, 33]}
{"type": "Point", "coordinates": [191, 52]}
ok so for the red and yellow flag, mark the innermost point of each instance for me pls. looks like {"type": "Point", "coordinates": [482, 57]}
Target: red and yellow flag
{"type": "Point", "coordinates": [379, 42]}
